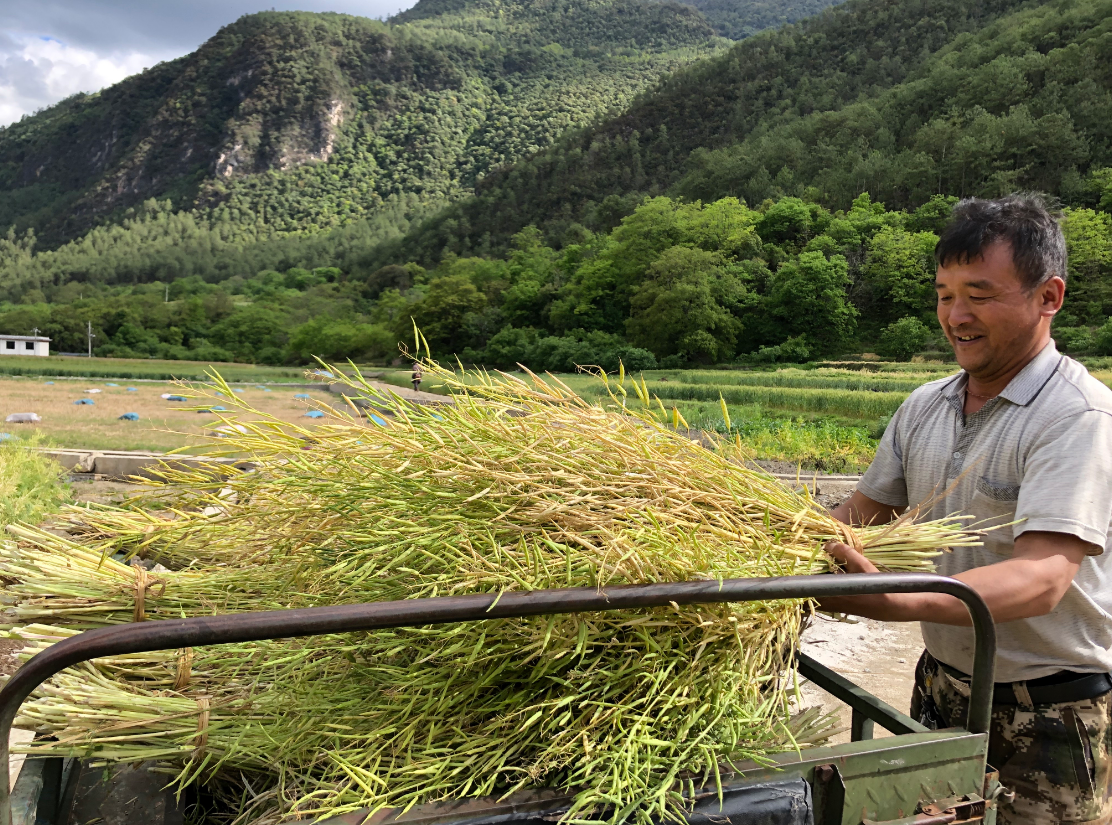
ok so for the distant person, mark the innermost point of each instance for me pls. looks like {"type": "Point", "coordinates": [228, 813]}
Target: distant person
{"type": "Point", "coordinates": [416, 377]}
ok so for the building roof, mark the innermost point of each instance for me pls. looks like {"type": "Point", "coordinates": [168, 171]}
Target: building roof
{"type": "Point", "coordinates": [5, 337]}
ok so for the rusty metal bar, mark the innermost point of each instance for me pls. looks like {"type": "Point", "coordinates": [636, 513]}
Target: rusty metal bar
{"type": "Point", "coordinates": [170, 634]}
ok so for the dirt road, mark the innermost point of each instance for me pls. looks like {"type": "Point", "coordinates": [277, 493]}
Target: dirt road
{"type": "Point", "coordinates": [878, 656]}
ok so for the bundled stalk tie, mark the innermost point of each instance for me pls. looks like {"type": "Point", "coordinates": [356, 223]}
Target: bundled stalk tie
{"type": "Point", "coordinates": [851, 537]}
{"type": "Point", "coordinates": [143, 581]}
{"type": "Point", "coordinates": [185, 668]}
{"type": "Point", "coordinates": [201, 740]}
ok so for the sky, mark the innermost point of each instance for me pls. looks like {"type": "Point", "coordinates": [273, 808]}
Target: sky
{"type": "Point", "coordinates": [51, 49]}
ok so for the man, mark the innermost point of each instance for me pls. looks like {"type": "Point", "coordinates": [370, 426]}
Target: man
{"type": "Point", "coordinates": [415, 377]}
{"type": "Point", "coordinates": [1022, 437]}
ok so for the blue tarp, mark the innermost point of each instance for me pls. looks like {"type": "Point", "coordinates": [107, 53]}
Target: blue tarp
{"type": "Point", "coordinates": [88, 401]}
{"type": "Point", "coordinates": [132, 389]}
{"type": "Point", "coordinates": [380, 421]}
{"type": "Point", "coordinates": [175, 398]}
{"type": "Point", "coordinates": [302, 395]}
{"type": "Point", "coordinates": [237, 389]}
{"type": "Point", "coordinates": [6, 436]}
{"type": "Point", "coordinates": [110, 384]}
{"type": "Point", "coordinates": [48, 382]}
{"type": "Point", "coordinates": [314, 414]}
{"type": "Point", "coordinates": [129, 417]}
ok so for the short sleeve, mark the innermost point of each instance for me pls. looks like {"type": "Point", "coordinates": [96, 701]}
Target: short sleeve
{"type": "Point", "coordinates": [884, 481]}
{"type": "Point", "coordinates": [1067, 480]}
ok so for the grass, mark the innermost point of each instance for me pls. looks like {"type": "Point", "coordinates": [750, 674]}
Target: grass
{"type": "Point", "coordinates": [142, 368]}
{"type": "Point", "coordinates": [33, 484]}
{"type": "Point", "coordinates": [162, 425]}
{"type": "Point", "coordinates": [832, 379]}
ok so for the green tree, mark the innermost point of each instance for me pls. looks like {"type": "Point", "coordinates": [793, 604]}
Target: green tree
{"type": "Point", "coordinates": [442, 314]}
{"type": "Point", "coordinates": [688, 306]}
{"type": "Point", "coordinates": [903, 339]}
{"type": "Point", "coordinates": [808, 298]}
{"type": "Point", "coordinates": [899, 268]}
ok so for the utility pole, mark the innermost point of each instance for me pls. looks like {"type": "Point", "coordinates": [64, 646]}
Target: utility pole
{"type": "Point", "coordinates": [90, 336]}
{"type": "Point", "coordinates": [167, 293]}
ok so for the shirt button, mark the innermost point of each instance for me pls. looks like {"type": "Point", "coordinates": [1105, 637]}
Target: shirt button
{"type": "Point", "coordinates": [957, 455]}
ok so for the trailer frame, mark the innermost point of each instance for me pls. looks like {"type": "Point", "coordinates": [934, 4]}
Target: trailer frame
{"type": "Point", "coordinates": [862, 769]}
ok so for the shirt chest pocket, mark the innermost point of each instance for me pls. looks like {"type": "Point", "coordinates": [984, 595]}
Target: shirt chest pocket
{"type": "Point", "coordinates": [992, 507]}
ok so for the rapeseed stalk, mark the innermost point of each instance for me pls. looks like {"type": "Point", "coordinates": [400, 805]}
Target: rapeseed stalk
{"type": "Point", "coordinates": [514, 485]}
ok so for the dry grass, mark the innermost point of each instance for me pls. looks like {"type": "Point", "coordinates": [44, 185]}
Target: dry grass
{"type": "Point", "coordinates": [162, 425]}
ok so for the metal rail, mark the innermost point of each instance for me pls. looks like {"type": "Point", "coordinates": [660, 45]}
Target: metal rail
{"type": "Point", "coordinates": [169, 634]}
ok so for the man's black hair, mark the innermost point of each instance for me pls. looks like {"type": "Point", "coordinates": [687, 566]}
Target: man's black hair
{"type": "Point", "coordinates": [1021, 220]}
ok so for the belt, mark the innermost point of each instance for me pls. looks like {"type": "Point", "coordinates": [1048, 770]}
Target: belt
{"type": "Point", "coordinates": [1055, 689]}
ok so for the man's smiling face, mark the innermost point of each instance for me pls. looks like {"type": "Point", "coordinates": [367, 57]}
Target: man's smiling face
{"type": "Point", "coordinates": [988, 317]}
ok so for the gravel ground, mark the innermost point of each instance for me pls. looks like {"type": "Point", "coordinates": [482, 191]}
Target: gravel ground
{"type": "Point", "coordinates": [878, 656]}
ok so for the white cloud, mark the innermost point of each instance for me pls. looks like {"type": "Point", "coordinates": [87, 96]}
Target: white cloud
{"type": "Point", "coordinates": [95, 43]}
{"type": "Point", "coordinates": [39, 71]}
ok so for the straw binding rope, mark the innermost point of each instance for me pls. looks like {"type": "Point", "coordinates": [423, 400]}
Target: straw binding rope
{"type": "Point", "coordinates": [143, 581]}
{"type": "Point", "coordinates": [201, 740]}
{"type": "Point", "coordinates": [185, 668]}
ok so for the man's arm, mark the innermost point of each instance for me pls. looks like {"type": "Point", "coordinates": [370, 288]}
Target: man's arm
{"type": "Point", "coordinates": [1029, 584]}
{"type": "Point", "coordinates": [859, 509]}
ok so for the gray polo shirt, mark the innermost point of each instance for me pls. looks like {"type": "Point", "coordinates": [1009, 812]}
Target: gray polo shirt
{"type": "Point", "coordinates": [1040, 454]}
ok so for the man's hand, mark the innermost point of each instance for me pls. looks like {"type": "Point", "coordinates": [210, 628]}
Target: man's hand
{"type": "Point", "coordinates": [881, 606]}
{"type": "Point", "coordinates": [1029, 584]}
{"type": "Point", "coordinates": [849, 559]}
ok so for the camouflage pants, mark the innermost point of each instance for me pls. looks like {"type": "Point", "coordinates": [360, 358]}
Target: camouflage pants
{"type": "Point", "coordinates": [1055, 757]}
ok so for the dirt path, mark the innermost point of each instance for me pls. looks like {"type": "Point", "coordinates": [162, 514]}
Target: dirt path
{"type": "Point", "coordinates": [878, 656]}
{"type": "Point", "coordinates": [404, 392]}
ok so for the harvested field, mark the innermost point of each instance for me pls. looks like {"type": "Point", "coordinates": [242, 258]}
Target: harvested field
{"type": "Point", "coordinates": [162, 425]}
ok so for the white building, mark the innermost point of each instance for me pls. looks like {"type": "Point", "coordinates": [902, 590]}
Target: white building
{"type": "Point", "coordinates": [24, 345]}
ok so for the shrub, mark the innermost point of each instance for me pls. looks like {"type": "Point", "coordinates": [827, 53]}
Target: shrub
{"type": "Point", "coordinates": [904, 339]}
{"type": "Point", "coordinates": [793, 351]}
{"type": "Point", "coordinates": [1102, 339]}
{"type": "Point", "coordinates": [1074, 339]}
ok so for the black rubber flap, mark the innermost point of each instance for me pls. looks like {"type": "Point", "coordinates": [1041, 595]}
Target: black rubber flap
{"type": "Point", "coordinates": [784, 802]}
{"type": "Point", "coordinates": [787, 802]}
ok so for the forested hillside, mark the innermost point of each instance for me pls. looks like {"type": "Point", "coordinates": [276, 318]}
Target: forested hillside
{"type": "Point", "coordinates": [899, 98]}
{"type": "Point", "coordinates": [299, 122]}
{"type": "Point", "coordinates": [776, 201]}
{"type": "Point", "coordinates": [738, 19]}
{"type": "Point", "coordinates": [674, 283]}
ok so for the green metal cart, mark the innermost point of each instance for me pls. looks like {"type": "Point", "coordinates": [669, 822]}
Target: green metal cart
{"type": "Point", "coordinates": [915, 776]}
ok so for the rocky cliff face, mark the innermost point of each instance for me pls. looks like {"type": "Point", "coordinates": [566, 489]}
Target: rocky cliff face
{"type": "Point", "coordinates": [276, 92]}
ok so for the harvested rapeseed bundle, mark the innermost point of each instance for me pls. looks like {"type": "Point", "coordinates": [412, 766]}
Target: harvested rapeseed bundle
{"type": "Point", "coordinates": [515, 486]}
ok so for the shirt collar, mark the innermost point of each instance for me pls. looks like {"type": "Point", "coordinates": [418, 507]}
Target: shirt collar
{"type": "Point", "coordinates": [1020, 390]}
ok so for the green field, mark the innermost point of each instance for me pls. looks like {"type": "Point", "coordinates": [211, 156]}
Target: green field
{"type": "Point", "coordinates": [825, 417]}
{"type": "Point", "coordinates": [60, 366]}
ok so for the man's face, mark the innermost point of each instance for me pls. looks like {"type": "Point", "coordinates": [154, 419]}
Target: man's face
{"type": "Point", "coordinates": [990, 320]}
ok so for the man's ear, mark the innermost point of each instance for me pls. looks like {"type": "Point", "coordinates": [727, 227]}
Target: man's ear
{"type": "Point", "coordinates": [1051, 295]}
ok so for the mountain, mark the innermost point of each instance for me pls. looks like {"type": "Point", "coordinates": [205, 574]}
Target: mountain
{"type": "Point", "coordinates": [900, 98]}
{"type": "Point", "coordinates": [779, 198]}
{"type": "Point", "coordinates": [303, 121]}
{"type": "Point", "coordinates": [738, 19]}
